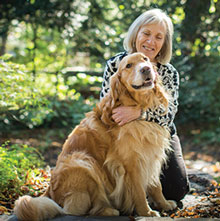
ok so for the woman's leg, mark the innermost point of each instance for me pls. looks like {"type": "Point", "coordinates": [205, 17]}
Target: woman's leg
{"type": "Point", "coordinates": [174, 180]}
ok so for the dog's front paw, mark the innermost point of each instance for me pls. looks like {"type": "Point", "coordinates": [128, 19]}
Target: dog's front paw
{"type": "Point", "coordinates": [170, 205]}
{"type": "Point", "coordinates": [109, 212]}
{"type": "Point", "coordinates": [153, 213]}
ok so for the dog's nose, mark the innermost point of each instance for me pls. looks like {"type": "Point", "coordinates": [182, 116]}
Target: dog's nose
{"type": "Point", "coordinates": [145, 70]}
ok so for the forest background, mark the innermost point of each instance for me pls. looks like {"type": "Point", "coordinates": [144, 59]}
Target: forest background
{"type": "Point", "coordinates": [53, 54]}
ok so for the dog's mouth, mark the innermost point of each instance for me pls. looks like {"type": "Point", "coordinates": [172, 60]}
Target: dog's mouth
{"type": "Point", "coordinates": [146, 84]}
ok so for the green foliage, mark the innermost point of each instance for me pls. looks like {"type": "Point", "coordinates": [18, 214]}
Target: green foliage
{"type": "Point", "coordinates": [199, 99]}
{"type": "Point", "coordinates": [67, 113]}
{"type": "Point", "coordinates": [85, 84]}
{"type": "Point", "coordinates": [15, 162]}
{"type": "Point", "coordinates": [48, 101]}
{"type": "Point", "coordinates": [217, 179]}
{"type": "Point", "coordinates": [20, 98]}
{"type": "Point", "coordinates": [16, 86]}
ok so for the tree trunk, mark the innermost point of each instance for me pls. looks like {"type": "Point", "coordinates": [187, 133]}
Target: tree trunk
{"type": "Point", "coordinates": [3, 42]}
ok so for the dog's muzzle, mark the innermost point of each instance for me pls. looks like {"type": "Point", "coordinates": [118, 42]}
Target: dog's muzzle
{"type": "Point", "coordinates": [147, 76]}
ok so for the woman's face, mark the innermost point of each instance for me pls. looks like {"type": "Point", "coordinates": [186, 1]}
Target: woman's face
{"type": "Point", "coordinates": [150, 39]}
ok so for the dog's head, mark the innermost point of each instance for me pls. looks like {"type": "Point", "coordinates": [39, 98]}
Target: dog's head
{"type": "Point", "coordinates": [136, 83]}
{"type": "Point", "coordinates": [137, 73]}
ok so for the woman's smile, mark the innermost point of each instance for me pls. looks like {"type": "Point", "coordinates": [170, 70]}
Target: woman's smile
{"type": "Point", "coordinates": [150, 39]}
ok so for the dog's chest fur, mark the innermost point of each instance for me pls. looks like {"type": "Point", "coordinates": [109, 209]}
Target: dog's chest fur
{"type": "Point", "coordinates": [138, 152]}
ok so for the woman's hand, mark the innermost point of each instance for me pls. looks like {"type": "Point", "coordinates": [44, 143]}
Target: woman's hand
{"type": "Point", "coordinates": [124, 114]}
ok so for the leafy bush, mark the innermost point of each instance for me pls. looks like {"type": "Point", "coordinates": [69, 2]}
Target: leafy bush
{"type": "Point", "coordinates": [15, 163]}
{"type": "Point", "coordinates": [25, 103]}
{"type": "Point", "coordinates": [19, 96]}
{"type": "Point", "coordinates": [199, 99]}
{"type": "Point", "coordinates": [67, 113]}
{"type": "Point", "coordinates": [17, 87]}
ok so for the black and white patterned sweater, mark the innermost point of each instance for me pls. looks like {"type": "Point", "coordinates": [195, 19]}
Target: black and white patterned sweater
{"type": "Point", "coordinates": [170, 80]}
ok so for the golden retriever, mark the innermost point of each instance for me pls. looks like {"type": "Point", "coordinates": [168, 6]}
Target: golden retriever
{"type": "Point", "coordinates": [104, 168]}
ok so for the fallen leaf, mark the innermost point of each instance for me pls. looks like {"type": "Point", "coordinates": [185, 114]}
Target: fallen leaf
{"type": "Point", "coordinates": [4, 203]}
{"type": "Point", "coordinates": [196, 216]}
{"type": "Point", "coordinates": [214, 183]}
{"type": "Point", "coordinates": [191, 213]}
{"type": "Point", "coordinates": [216, 201]}
{"type": "Point", "coordinates": [3, 209]}
{"type": "Point", "coordinates": [24, 188]}
{"type": "Point", "coordinates": [172, 215]}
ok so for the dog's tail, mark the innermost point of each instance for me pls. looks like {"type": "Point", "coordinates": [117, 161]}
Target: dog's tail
{"type": "Point", "coordinates": [36, 209]}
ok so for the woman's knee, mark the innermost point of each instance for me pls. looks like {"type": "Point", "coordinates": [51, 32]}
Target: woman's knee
{"type": "Point", "coordinates": [174, 177]}
{"type": "Point", "coordinates": [175, 189]}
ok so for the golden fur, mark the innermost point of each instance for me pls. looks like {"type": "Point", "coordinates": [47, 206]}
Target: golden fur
{"type": "Point", "coordinates": [105, 168]}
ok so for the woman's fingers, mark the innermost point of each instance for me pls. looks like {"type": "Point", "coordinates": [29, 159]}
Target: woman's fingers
{"type": "Point", "coordinates": [124, 114]}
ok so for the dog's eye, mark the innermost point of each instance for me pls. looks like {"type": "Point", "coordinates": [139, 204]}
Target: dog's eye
{"type": "Point", "coordinates": [128, 65]}
{"type": "Point", "coordinates": [146, 58]}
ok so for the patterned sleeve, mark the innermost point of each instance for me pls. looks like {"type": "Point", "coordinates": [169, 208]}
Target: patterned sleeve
{"type": "Point", "coordinates": [110, 68]}
{"type": "Point", "coordinates": [170, 80]}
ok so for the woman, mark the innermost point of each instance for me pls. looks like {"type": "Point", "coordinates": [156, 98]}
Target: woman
{"type": "Point", "coordinates": [151, 33]}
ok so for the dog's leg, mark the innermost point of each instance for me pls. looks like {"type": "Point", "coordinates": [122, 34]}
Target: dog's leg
{"type": "Point", "coordinates": [117, 171]}
{"type": "Point", "coordinates": [134, 194]}
{"type": "Point", "coordinates": [77, 203]}
{"type": "Point", "coordinates": [101, 206]}
{"type": "Point", "coordinates": [108, 212]}
{"type": "Point", "coordinates": [141, 204]}
{"type": "Point", "coordinates": [80, 203]}
{"type": "Point", "coordinates": [155, 192]}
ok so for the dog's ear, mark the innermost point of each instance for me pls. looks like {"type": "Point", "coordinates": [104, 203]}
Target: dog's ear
{"type": "Point", "coordinates": [116, 89]}
{"type": "Point", "coordinates": [111, 100]}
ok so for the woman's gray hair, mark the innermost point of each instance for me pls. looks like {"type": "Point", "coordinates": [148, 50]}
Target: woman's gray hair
{"type": "Point", "coordinates": [152, 16]}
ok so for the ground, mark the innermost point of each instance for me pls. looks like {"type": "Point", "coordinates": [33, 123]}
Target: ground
{"type": "Point", "coordinates": [202, 164]}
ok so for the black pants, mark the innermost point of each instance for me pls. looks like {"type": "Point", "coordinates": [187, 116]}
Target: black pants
{"type": "Point", "coordinates": [174, 179]}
